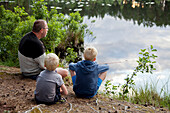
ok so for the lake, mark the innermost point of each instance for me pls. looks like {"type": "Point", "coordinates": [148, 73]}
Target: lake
{"type": "Point", "coordinates": [119, 41]}
{"type": "Point", "coordinates": [122, 28]}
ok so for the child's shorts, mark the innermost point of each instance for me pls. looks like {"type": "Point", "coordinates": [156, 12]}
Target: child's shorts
{"type": "Point", "coordinates": [98, 84]}
{"type": "Point", "coordinates": [56, 99]}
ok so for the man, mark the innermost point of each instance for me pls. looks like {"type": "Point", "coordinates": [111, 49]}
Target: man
{"type": "Point", "coordinates": [31, 51]}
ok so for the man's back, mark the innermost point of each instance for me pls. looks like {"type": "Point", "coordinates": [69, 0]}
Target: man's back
{"type": "Point", "coordinates": [31, 55]}
{"type": "Point", "coordinates": [30, 46]}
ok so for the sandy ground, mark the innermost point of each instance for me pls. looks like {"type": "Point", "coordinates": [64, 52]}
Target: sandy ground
{"type": "Point", "coordinates": [17, 95]}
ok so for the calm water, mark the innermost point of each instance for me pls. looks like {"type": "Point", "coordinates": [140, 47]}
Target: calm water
{"type": "Point", "coordinates": [119, 40]}
{"type": "Point", "coordinates": [121, 30]}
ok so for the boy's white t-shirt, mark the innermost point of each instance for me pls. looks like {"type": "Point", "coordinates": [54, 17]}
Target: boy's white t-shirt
{"type": "Point", "coordinates": [46, 85]}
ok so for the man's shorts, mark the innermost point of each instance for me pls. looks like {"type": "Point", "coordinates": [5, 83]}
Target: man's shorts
{"type": "Point", "coordinates": [33, 77]}
{"type": "Point", "coordinates": [98, 84]}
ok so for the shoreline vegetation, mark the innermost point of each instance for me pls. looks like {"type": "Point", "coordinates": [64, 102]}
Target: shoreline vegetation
{"type": "Point", "coordinates": [66, 34]}
{"type": "Point", "coordinates": [147, 95]}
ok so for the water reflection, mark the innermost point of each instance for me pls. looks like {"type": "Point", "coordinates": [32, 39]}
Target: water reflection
{"type": "Point", "coordinates": [146, 13]}
{"type": "Point", "coordinates": [120, 41]}
{"type": "Point", "coordinates": [142, 13]}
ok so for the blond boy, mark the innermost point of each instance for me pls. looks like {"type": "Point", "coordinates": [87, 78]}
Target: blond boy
{"type": "Point", "coordinates": [87, 75]}
{"type": "Point", "coordinates": [49, 82]}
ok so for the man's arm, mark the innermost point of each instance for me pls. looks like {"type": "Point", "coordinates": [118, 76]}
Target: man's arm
{"type": "Point", "coordinates": [62, 72]}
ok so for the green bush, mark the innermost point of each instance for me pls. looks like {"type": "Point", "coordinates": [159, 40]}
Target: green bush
{"type": "Point", "coordinates": [8, 22]}
{"type": "Point", "coordinates": [64, 32]}
{"type": "Point", "coordinates": [56, 32]}
{"type": "Point", "coordinates": [145, 62]}
{"type": "Point", "coordinates": [39, 10]}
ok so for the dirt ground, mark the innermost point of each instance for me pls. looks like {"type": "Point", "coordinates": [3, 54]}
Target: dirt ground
{"type": "Point", "coordinates": [17, 95]}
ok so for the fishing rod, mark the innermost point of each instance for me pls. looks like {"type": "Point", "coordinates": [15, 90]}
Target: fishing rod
{"type": "Point", "coordinates": [114, 62]}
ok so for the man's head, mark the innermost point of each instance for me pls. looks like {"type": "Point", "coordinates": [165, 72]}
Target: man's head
{"type": "Point", "coordinates": [90, 53]}
{"type": "Point", "coordinates": [51, 61]}
{"type": "Point", "coordinates": [40, 28]}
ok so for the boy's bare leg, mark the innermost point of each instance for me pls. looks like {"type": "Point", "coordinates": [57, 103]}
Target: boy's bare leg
{"type": "Point", "coordinates": [73, 73]}
{"type": "Point", "coordinates": [62, 72]}
{"type": "Point", "coordinates": [102, 75]}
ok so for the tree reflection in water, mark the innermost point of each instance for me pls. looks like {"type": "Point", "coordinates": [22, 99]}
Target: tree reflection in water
{"type": "Point", "coordinates": [146, 12]}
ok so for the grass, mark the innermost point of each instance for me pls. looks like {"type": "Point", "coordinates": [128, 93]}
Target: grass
{"type": "Point", "coordinates": [9, 63]}
{"type": "Point", "coordinates": [149, 95]}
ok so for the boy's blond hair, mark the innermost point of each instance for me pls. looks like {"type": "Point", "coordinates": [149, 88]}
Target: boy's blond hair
{"type": "Point", "coordinates": [51, 61]}
{"type": "Point", "coordinates": [90, 53]}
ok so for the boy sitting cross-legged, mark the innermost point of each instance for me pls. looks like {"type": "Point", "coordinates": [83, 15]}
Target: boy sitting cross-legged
{"type": "Point", "coordinates": [50, 85]}
{"type": "Point", "coordinates": [87, 75]}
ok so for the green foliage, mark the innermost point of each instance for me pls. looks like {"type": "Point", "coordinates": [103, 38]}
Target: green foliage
{"type": "Point", "coordinates": [24, 27]}
{"type": "Point", "coordinates": [20, 11]}
{"type": "Point", "coordinates": [8, 22]}
{"type": "Point", "coordinates": [150, 96]}
{"type": "Point", "coordinates": [110, 88]}
{"type": "Point", "coordinates": [71, 55]}
{"type": "Point", "coordinates": [145, 64]}
{"type": "Point", "coordinates": [146, 61]}
{"type": "Point", "coordinates": [39, 9]}
{"type": "Point", "coordinates": [75, 28]}
{"type": "Point", "coordinates": [11, 27]}
{"type": "Point", "coordinates": [166, 101]}
{"type": "Point", "coordinates": [64, 32]}
{"type": "Point", "coordinates": [146, 95]}
{"type": "Point", "coordinates": [55, 33]}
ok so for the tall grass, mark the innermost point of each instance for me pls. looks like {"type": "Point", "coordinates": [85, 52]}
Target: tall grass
{"type": "Point", "coordinates": [149, 95]}
{"type": "Point", "coordinates": [9, 63]}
